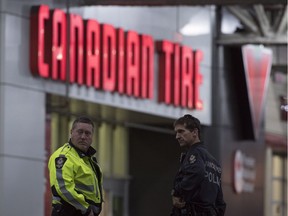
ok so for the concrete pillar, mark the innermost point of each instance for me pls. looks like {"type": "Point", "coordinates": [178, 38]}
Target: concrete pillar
{"type": "Point", "coordinates": [120, 151]}
{"type": "Point", "coordinates": [22, 151]}
{"type": "Point", "coordinates": [105, 148]}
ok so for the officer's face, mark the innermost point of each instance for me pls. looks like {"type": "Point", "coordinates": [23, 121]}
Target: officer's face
{"type": "Point", "coordinates": [184, 136]}
{"type": "Point", "coordinates": [81, 136]}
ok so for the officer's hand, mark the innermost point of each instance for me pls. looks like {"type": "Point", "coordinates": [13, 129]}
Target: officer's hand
{"type": "Point", "coordinates": [91, 213]}
{"type": "Point", "coordinates": [178, 202]}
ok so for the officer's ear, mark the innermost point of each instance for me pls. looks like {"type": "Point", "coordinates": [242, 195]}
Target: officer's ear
{"type": "Point", "coordinates": [195, 131]}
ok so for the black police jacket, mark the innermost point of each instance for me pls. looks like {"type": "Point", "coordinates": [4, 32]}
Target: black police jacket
{"type": "Point", "coordinates": [198, 180]}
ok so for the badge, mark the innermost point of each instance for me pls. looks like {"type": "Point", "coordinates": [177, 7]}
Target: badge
{"type": "Point", "coordinates": [59, 162]}
{"type": "Point", "coordinates": [192, 159]}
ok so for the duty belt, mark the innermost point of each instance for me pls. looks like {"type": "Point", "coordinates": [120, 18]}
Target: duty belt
{"type": "Point", "coordinates": [199, 210]}
{"type": "Point", "coordinates": [194, 210]}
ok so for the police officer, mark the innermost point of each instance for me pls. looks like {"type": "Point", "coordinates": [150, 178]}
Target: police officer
{"type": "Point", "coordinates": [197, 186]}
{"type": "Point", "coordinates": [75, 176]}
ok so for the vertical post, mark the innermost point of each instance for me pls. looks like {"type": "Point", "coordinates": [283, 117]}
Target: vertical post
{"type": "Point", "coordinates": [214, 132]}
{"type": "Point", "coordinates": [67, 52]}
{"type": "Point", "coordinates": [216, 31]}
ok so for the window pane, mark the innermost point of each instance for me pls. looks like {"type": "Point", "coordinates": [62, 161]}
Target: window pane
{"type": "Point", "coordinates": [117, 206]}
{"type": "Point", "coordinates": [285, 168]}
{"type": "Point", "coordinates": [285, 192]}
{"type": "Point", "coordinates": [106, 207]}
{"type": "Point", "coordinates": [277, 166]}
{"type": "Point", "coordinates": [277, 190]}
{"type": "Point", "coordinates": [276, 210]}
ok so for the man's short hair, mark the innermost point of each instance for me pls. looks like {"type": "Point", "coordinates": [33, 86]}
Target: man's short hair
{"type": "Point", "coordinates": [82, 119]}
{"type": "Point", "coordinates": [190, 122]}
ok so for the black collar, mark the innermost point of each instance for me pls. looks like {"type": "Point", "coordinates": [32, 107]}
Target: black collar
{"type": "Point", "coordinates": [90, 152]}
{"type": "Point", "coordinates": [195, 145]}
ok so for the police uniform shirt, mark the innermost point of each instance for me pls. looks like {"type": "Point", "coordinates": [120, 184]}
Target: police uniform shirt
{"type": "Point", "coordinates": [199, 178]}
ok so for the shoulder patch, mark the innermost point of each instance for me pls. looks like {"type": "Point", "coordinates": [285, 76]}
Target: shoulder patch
{"type": "Point", "coordinates": [59, 162]}
{"type": "Point", "coordinates": [192, 159]}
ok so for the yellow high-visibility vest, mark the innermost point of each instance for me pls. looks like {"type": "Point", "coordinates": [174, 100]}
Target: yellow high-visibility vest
{"type": "Point", "coordinates": [76, 178]}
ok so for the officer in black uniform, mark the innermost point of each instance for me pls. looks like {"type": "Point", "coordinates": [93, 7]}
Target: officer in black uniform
{"type": "Point", "coordinates": [197, 186]}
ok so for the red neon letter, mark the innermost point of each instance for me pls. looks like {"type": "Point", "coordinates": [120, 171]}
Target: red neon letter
{"type": "Point", "coordinates": [37, 37]}
{"type": "Point", "coordinates": [92, 53]}
{"type": "Point", "coordinates": [147, 66]}
{"type": "Point", "coordinates": [176, 76]}
{"type": "Point", "coordinates": [186, 77]}
{"type": "Point", "coordinates": [58, 45]}
{"type": "Point", "coordinates": [198, 56]}
{"type": "Point", "coordinates": [165, 49]}
{"type": "Point", "coordinates": [76, 49]}
{"type": "Point", "coordinates": [108, 57]}
{"type": "Point", "coordinates": [132, 63]}
{"type": "Point", "coordinates": [120, 61]}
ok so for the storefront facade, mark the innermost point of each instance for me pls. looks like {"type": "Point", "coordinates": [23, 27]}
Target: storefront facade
{"type": "Point", "coordinates": [134, 95]}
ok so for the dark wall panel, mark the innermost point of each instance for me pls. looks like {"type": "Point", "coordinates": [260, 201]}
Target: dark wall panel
{"type": "Point", "coordinates": [153, 165]}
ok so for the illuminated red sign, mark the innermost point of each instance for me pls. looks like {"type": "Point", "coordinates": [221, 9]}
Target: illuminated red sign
{"type": "Point", "coordinates": [179, 76]}
{"type": "Point", "coordinates": [257, 64]}
{"type": "Point", "coordinates": [109, 59]}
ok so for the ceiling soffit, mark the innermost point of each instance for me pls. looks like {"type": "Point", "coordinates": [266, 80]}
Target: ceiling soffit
{"type": "Point", "coordinates": [179, 2]}
{"type": "Point", "coordinates": [260, 25]}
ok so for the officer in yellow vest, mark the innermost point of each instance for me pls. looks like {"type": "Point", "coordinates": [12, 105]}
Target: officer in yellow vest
{"type": "Point", "coordinates": [75, 176]}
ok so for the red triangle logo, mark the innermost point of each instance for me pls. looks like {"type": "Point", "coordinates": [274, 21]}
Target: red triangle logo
{"type": "Point", "coordinates": [257, 64]}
